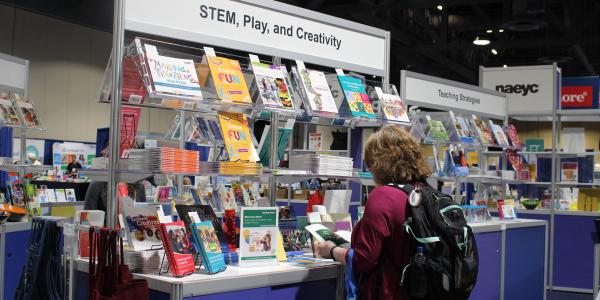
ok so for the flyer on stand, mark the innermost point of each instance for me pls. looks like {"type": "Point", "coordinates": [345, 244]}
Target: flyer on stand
{"type": "Point", "coordinates": [172, 75]}
{"type": "Point", "coordinates": [229, 79]}
{"type": "Point", "coordinates": [258, 236]}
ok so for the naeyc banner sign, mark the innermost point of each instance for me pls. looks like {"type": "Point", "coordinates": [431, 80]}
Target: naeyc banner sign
{"type": "Point", "coordinates": [580, 93]}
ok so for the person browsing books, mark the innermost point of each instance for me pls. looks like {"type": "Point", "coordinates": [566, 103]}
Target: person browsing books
{"type": "Point", "coordinates": [380, 245]}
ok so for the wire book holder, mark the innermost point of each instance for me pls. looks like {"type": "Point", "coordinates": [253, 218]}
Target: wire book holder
{"type": "Point", "coordinates": [197, 262]}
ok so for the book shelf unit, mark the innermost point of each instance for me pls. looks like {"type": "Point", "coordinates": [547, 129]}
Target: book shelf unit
{"type": "Point", "coordinates": [172, 39]}
{"type": "Point", "coordinates": [13, 79]}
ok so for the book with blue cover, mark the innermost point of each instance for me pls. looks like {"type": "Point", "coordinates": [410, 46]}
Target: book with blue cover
{"type": "Point", "coordinates": [206, 240]}
{"type": "Point", "coordinates": [357, 101]}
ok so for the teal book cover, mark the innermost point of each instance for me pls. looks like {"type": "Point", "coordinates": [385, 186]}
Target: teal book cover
{"type": "Point", "coordinates": [205, 237]}
{"type": "Point", "coordinates": [356, 97]}
{"type": "Point", "coordinates": [284, 137]}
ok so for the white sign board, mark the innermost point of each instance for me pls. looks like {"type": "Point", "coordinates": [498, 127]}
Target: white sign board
{"type": "Point", "coordinates": [427, 91]}
{"type": "Point", "coordinates": [264, 27]}
{"type": "Point", "coordinates": [13, 72]}
{"type": "Point", "coordinates": [529, 90]}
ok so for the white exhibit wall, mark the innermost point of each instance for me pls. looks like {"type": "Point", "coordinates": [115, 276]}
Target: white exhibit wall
{"type": "Point", "coordinates": [67, 62]}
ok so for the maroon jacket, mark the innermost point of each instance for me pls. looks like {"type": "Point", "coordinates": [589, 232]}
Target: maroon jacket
{"type": "Point", "coordinates": [381, 246]}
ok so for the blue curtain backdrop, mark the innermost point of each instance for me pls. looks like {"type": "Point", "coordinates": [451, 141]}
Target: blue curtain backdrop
{"type": "Point", "coordinates": [6, 145]}
{"type": "Point", "coordinates": [48, 152]}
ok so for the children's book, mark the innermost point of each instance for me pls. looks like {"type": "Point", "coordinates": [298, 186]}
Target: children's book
{"type": "Point", "coordinates": [317, 90]}
{"type": "Point", "coordinates": [462, 130]}
{"type": "Point", "coordinates": [177, 248]}
{"type": "Point", "coordinates": [394, 108]}
{"type": "Point", "coordinates": [513, 136]}
{"type": "Point", "coordinates": [207, 241]}
{"type": "Point", "coordinates": [172, 75]}
{"type": "Point", "coordinates": [484, 133]}
{"type": "Point", "coordinates": [229, 79]}
{"type": "Point", "coordinates": [60, 195]}
{"type": "Point", "coordinates": [357, 102]}
{"type": "Point", "coordinates": [227, 197]}
{"type": "Point", "coordinates": [569, 172]}
{"type": "Point", "coordinates": [295, 238]}
{"type": "Point", "coordinates": [237, 137]}
{"type": "Point", "coordinates": [272, 85]}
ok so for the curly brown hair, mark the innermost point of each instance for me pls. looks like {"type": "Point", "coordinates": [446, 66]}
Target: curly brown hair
{"type": "Point", "coordinates": [393, 156]}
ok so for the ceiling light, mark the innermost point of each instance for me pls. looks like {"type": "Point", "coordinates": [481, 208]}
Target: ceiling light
{"type": "Point", "coordinates": [505, 66]}
{"type": "Point", "coordinates": [481, 42]}
{"type": "Point", "coordinates": [440, 7]}
{"type": "Point", "coordinates": [494, 52]}
{"type": "Point", "coordinates": [489, 31]}
{"type": "Point", "coordinates": [500, 30]}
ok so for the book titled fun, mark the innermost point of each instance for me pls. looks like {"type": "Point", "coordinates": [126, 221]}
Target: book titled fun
{"type": "Point", "coordinates": [229, 79]}
{"type": "Point", "coordinates": [236, 135]}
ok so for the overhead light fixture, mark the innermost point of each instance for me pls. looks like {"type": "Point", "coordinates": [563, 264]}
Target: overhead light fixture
{"type": "Point", "coordinates": [494, 52]}
{"type": "Point", "coordinates": [489, 31]}
{"type": "Point", "coordinates": [501, 30]}
{"type": "Point", "coordinates": [481, 42]}
{"type": "Point", "coordinates": [440, 7]}
{"type": "Point", "coordinates": [505, 66]}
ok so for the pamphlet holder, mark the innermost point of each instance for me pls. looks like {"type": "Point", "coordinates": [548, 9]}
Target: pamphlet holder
{"type": "Point", "coordinates": [197, 261]}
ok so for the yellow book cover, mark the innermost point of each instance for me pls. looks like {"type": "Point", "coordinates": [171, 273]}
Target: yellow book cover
{"type": "Point", "coordinates": [229, 80]}
{"type": "Point", "coordinates": [581, 200]}
{"type": "Point", "coordinates": [280, 251]}
{"type": "Point", "coordinates": [588, 201]}
{"type": "Point", "coordinates": [236, 135]}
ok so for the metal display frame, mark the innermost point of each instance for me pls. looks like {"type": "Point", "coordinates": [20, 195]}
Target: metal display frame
{"type": "Point", "coordinates": [119, 28]}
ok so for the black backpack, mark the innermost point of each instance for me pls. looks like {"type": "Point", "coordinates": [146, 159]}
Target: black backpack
{"type": "Point", "coordinates": [447, 268]}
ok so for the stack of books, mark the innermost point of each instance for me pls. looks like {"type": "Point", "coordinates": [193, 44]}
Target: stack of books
{"type": "Point", "coordinates": [321, 164]}
{"type": "Point", "coordinates": [240, 168]}
{"type": "Point", "coordinates": [169, 160]}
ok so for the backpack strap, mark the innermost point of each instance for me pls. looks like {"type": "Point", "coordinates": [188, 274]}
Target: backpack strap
{"type": "Point", "coordinates": [407, 188]}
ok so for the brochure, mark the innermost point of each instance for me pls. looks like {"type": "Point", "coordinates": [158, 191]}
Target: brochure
{"type": "Point", "coordinates": [172, 75]}
{"type": "Point", "coordinates": [237, 137]}
{"type": "Point", "coordinates": [317, 90]}
{"type": "Point", "coordinates": [394, 108]}
{"type": "Point", "coordinates": [437, 131]}
{"type": "Point", "coordinates": [50, 195]}
{"type": "Point", "coordinates": [71, 197]}
{"type": "Point", "coordinates": [8, 114]}
{"type": "Point", "coordinates": [322, 234]}
{"type": "Point", "coordinates": [60, 195]}
{"type": "Point", "coordinates": [177, 248]}
{"type": "Point", "coordinates": [315, 141]}
{"type": "Point", "coordinates": [569, 172]}
{"type": "Point", "coordinates": [272, 85]}
{"type": "Point", "coordinates": [485, 135]}
{"type": "Point", "coordinates": [227, 197]}
{"type": "Point", "coordinates": [462, 130]}
{"type": "Point", "coordinates": [356, 97]}
{"type": "Point", "coordinates": [501, 138]}
{"type": "Point", "coordinates": [258, 236]}
{"type": "Point", "coordinates": [229, 79]}
{"type": "Point", "coordinates": [513, 135]}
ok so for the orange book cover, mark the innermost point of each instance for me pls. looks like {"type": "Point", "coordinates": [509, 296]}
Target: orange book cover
{"type": "Point", "coordinates": [229, 79]}
{"type": "Point", "coordinates": [236, 135]}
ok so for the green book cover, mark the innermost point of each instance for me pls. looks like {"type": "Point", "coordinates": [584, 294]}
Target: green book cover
{"type": "Point", "coordinates": [534, 145]}
{"type": "Point", "coordinates": [437, 131]}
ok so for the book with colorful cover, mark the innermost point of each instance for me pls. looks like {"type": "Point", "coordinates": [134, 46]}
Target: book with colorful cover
{"type": "Point", "coordinates": [569, 172]}
{"type": "Point", "coordinates": [227, 197]}
{"type": "Point", "coordinates": [142, 226]}
{"type": "Point", "coordinates": [205, 237]}
{"type": "Point", "coordinates": [177, 248]}
{"type": "Point", "coordinates": [462, 130]}
{"type": "Point", "coordinates": [295, 238]}
{"type": "Point", "coordinates": [28, 113]}
{"type": "Point", "coordinates": [237, 137]}
{"type": "Point", "coordinates": [317, 90]}
{"type": "Point", "coordinates": [437, 130]}
{"type": "Point", "coordinates": [8, 114]}
{"type": "Point", "coordinates": [60, 195]}
{"type": "Point", "coordinates": [499, 135]}
{"type": "Point", "coordinates": [357, 100]}
{"type": "Point", "coordinates": [484, 133]}
{"type": "Point", "coordinates": [513, 135]}
{"type": "Point", "coordinates": [71, 197]}
{"type": "Point", "coordinates": [272, 85]}
{"type": "Point", "coordinates": [394, 108]}
{"type": "Point", "coordinates": [229, 79]}
{"type": "Point", "coordinates": [205, 213]}
{"type": "Point", "coordinates": [172, 75]}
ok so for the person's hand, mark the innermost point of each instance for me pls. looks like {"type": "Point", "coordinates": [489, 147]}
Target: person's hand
{"type": "Point", "coordinates": [324, 248]}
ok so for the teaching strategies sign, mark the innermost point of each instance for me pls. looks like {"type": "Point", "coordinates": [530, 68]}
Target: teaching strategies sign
{"type": "Point", "coordinates": [428, 91]}
{"type": "Point", "coordinates": [529, 90]}
{"type": "Point", "coordinates": [265, 27]}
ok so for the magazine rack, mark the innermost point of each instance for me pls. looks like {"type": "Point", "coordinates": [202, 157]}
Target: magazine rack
{"type": "Point", "coordinates": [166, 269]}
